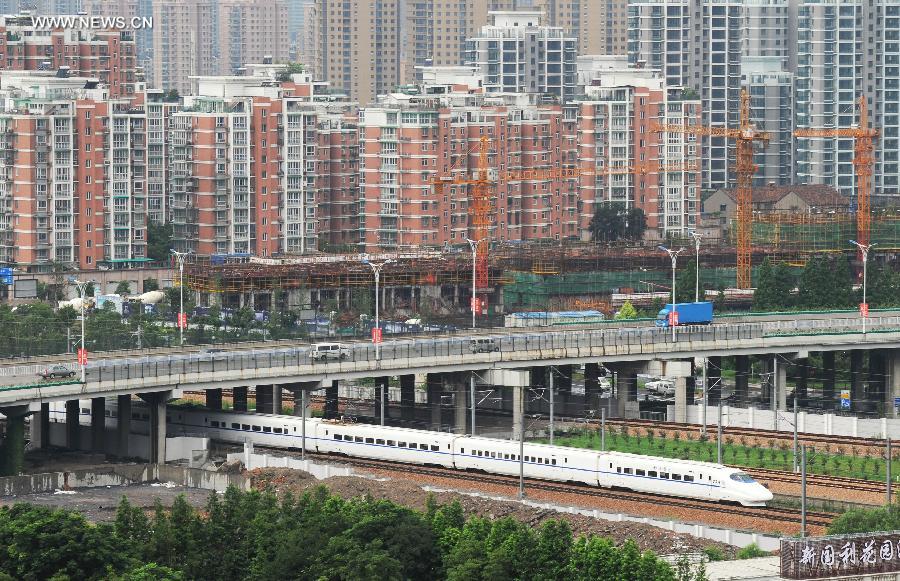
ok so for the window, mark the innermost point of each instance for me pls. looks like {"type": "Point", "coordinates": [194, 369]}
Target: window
{"type": "Point", "coordinates": [676, 477]}
{"type": "Point", "coordinates": [688, 478]}
{"type": "Point", "coordinates": [277, 430]}
{"type": "Point", "coordinates": [245, 426]}
{"type": "Point", "coordinates": [214, 424]}
{"type": "Point", "coordinates": [370, 440]}
{"type": "Point", "coordinates": [423, 446]}
{"type": "Point", "coordinates": [652, 473]}
{"type": "Point", "coordinates": [380, 442]}
{"type": "Point", "coordinates": [462, 450]}
{"type": "Point", "coordinates": [235, 426]}
{"type": "Point", "coordinates": [267, 430]}
{"type": "Point", "coordinates": [412, 445]}
{"type": "Point", "coordinates": [664, 475]}
{"type": "Point", "coordinates": [553, 461]}
{"type": "Point", "coordinates": [618, 469]}
{"type": "Point", "coordinates": [358, 439]}
{"type": "Point", "coordinates": [506, 456]}
{"type": "Point", "coordinates": [435, 448]}
{"type": "Point", "coordinates": [639, 472]}
{"type": "Point", "coordinates": [338, 437]}
{"type": "Point", "coordinates": [627, 470]}
{"type": "Point", "coordinates": [256, 428]}
{"type": "Point", "coordinates": [493, 454]}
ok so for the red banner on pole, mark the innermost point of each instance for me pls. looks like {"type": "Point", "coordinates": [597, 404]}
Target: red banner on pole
{"type": "Point", "coordinates": [182, 320]}
{"type": "Point", "coordinates": [673, 318]}
{"type": "Point", "coordinates": [82, 356]}
{"type": "Point", "coordinates": [376, 335]}
{"type": "Point", "coordinates": [864, 310]}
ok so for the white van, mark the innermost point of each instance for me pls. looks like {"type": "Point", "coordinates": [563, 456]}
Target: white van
{"type": "Point", "coordinates": [324, 351]}
{"type": "Point", "coordinates": [484, 345]}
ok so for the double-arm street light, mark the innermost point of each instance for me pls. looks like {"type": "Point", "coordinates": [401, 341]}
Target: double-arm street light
{"type": "Point", "coordinates": [673, 254]}
{"type": "Point", "coordinates": [473, 244]}
{"type": "Point", "coordinates": [82, 353]}
{"type": "Point", "coordinates": [182, 320]}
{"type": "Point", "coordinates": [376, 332]}
{"type": "Point", "coordinates": [864, 307]}
{"type": "Point", "coordinates": [697, 236]}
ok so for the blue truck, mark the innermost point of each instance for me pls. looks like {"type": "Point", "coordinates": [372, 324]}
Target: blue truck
{"type": "Point", "coordinates": [688, 314]}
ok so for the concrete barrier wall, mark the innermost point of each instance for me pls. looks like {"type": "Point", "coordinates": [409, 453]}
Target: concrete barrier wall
{"type": "Point", "coordinates": [319, 471]}
{"type": "Point", "coordinates": [810, 423]}
{"type": "Point", "coordinates": [121, 475]}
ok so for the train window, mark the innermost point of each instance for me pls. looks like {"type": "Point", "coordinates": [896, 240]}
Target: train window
{"type": "Point", "coordinates": [618, 469]}
{"type": "Point", "coordinates": [652, 473]}
{"type": "Point", "coordinates": [435, 448]}
{"type": "Point", "coordinates": [380, 442]}
{"type": "Point", "coordinates": [401, 444]}
{"type": "Point", "coordinates": [506, 456]}
{"type": "Point", "coordinates": [213, 424]}
{"type": "Point", "coordinates": [413, 445]}
{"type": "Point", "coordinates": [423, 446]}
{"type": "Point", "coordinates": [358, 439]}
{"type": "Point", "coordinates": [639, 472]}
{"type": "Point", "coordinates": [553, 461]}
{"type": "Point", "coordinates": [338, 437]}
{"type": "Point", "coordinates": [255, 428]}
{"type": "Point", "coordinates": [688, 478]}
{"type": "Point", "coordinates": [676, 477]}
{"type": "Point", "coordinates": [267, 429]}
{"type": "Point", "coordinates": [664, 475]}
{"type": "Point", "coordinates": [462, 450]}
{"type": "Point", "coordinates": [277, 430]}
{"type": "Point", "coordinates": [627, 470]}
{"type": "Point", "coordinates": [235, 426]}
{"type": "Point", "coordinates": [245, 426]}
{"type": "Point", "coordinates": [370, 440]}
{"type": "Point", "coordinates": [391, 443]}
{"type": "Point", "coordinates": [493, 454]}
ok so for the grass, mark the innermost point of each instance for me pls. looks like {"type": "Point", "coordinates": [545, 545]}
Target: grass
{"type": "Point", "coordinates": [845, 462]}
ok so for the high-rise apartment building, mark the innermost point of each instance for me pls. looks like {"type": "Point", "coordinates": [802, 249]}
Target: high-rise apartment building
{"type": "Point", "coordinates": [360, 46]}
{"type": "Point", "coordinates": [845, 50]}
{"type": "Point", "coordinates": [771, 91]}
{"type": "Point", "coordinates": [309, 41]}
{"type": "Point", "coordinates": [127, 9]}
{"type": "Point", "coordinates": [250, 31]}
{"type": "Point", "coordinates": [77, 194]}
{"type": "Point", "coordinates": [516, 54]}
{"type": "Point", "coordinates": [108, 55]}
{"type": "Point", "coordinates": [185, 41]}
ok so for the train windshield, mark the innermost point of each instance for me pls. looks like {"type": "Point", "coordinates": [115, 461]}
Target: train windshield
{"type": "Point", "coordinates": [741, 477]}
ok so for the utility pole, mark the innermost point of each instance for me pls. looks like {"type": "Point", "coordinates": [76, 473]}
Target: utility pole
{"type": "Point", "coordinates": [864, 306]}
{"type": "Point", "coordinates": [603, 429]}
{"type": "Point", "coordinates": [719, 433]}
{"type": "Point", "coordinates": [697, 236]}
{"type": "Point", "coordinates": [474, 303]}
{"type": "Point", "coordinates": [887, 467]}
{"type": "Point", "coordinates": [522, 445]}
{"type": "Point", "coordinates": [376, 333]}
{"type": "Point", "coordinates": [673, 315]}
{"type": "Point", "coordinates": [705, 397]}
{"type": "Point", "coordinates": [803, 491]}
{"type": "Point", "coordinates": [472, 396]}
{"type": "Point", "coordinates": [795, 432]}
{"type": "Point", "coordinates": [551, 406]}
{"type": "Point", "coordinates": [182, 320]}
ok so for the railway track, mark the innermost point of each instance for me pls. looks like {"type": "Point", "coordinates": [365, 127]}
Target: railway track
{"type": "Point", "coordinates": [777, 514]}
{"type": "Point", "coordinates": [817, 480]}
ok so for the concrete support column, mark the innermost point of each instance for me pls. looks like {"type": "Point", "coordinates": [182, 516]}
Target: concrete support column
{"type": "Point", "coordinates": [539, 377]}
{"type": "Point", "coordinates": [123, 424]}
{"type": "Point", "coordinates": [434, 389]}
{"type": "Point", "coordinates": [98, 423]}
{"type": "Point", "coordinates": [12, 452]}
{"type": "Point", "coordinates": [518, 411]}
{"type": "Point", "coordinates": [875, 392]}
{"type": "Point", "coordinates": [802, 376]}
{"type": "Point", "coordinates": [591, 380]}
{"type": "Point", "coordinates": [157, 404]}
{"type": "Point", "coordinates": [681, 400]}
{"type": "Point", "coordinates": [714, 379]}
{"type": "Point", "coordinates": [40, 428]}
{"type": "Point", "coordinates": [72, 426]}
{"type": "Point", "coordinates": [276, 399]}
{"type": "Point", "coordinates": [239, 395]}
{"type": "Point", "coordinates": [331, 400]}
{"type": "Point", "coordinates": [264, 399]}
{"type": "Point", "coordinates": [892, 382]}
{"type": "Point", "coordinates": [828, 381]}
{"type": "Point", "coordinates": [742, 379]}
{"type": "Point", "coordinates": [460, 410]}
{"type": "Point", "coordinates": [690, 384]}
{"type": "Point", "coordinates": [856, 377]}
{"type": "Point", "coordinates": [214, 399]}
{"type": "Point", "coordinates": [563, 379]}
{"type": "Point", "coordinates": [407, 397]}
{"type": "Point", "coordinates": [766, 381]}
{"type": "Point", "coordinates": [381, 398]}
{"type": "Point", "coordinates": [781, 385]}
{"type": "Point", "coordinates": [626, 389]}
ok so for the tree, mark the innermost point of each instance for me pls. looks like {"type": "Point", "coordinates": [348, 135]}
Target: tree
{"type": "Point", "coordinates": [626, 311]}
{"type": "Point", "coordinates": [825, 285]}
{"type": "Point", "coordinates": [686, 283]}
{"type": "Point", "coordinates": [171, 96]}
{"type": "Point", "coordinates": [612, 221]}
{"type": "Point", "coordinates": [150, 284]}
{"type": "Point", "coordinates": [123, 288]}
{"type": "Point", "coordinates": [160, 241]}
{"type": "Point", "coordinates": [774, 287]}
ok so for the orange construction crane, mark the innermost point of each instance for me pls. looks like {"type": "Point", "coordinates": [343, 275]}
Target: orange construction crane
{"type": "Point", "coordinates": [863, 161]}
{"type": "Point", "coordinates": [745, 135]}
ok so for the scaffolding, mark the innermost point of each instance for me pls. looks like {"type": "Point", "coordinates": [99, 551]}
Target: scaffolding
{"type": "Point", "coordinates": [793, 236]}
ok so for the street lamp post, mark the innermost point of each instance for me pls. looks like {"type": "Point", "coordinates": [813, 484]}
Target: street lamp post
{"type": "Point", "coordinates": [181, 319]}
{"type": "Point", "coordinates": [697, 236]}
{"type": "Point", "coordinates": [376, 270]}
{"type": "Point", "coordinates": [473, 244]}
{"type": "Point", "coordinates": [673, 254]}
{"type": "Point", "coordinates": [864, 307]}
{"type": "Point", "coordinates": [82, 353]}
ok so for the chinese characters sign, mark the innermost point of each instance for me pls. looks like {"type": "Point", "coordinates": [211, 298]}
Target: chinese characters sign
{"type": "Point", "coordinates": [825, 557]}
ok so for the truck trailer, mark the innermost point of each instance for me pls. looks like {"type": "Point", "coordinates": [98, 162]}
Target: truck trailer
{"type": "Point", "coordinates": [687, 314]}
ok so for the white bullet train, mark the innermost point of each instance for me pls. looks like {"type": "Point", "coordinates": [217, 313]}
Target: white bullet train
{"type": "Point", "coordinates": [685, 478]}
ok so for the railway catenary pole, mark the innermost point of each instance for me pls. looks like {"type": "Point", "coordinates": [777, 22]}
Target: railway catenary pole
{"type": "Point", "coordinates": [522, 445]}
{"type": "Point", "coordinates": [803, 491]}
{"type": "Point", "coordinates": [551, 405]}
{"type": "Point", "coordinates": [303, 427]}
{"type": "Point", "coordinates": [697, 236]}
{"type": "Point", "coordinates": [719, 431]}
{"type": "Point", "coordinates": [775, 391]}
{"type": "Point", "coordinates": [603, 429]}
{"type": "Point", "coordinates": [472, 397]}
{"type": "Point", "coordinates": [705, 396]}
{"type": "Point", "coordinates": [887, 473]}
{"type": "Point", "coordinates": [795, 432]}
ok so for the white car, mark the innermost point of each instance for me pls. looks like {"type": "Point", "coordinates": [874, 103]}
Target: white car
{"type": "Point", "coordinates": [325, 351]}
{"type": "Point", "coordinates": [661, 387]}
